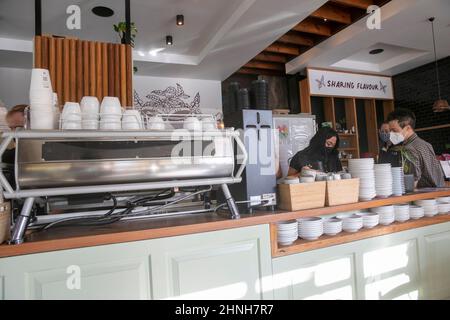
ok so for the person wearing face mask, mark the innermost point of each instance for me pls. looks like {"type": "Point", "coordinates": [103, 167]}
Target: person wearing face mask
{"type": "Point", "coordinates": [321, 154]}
{"type": "Point", "coordinates": [389, 153]}
{"type": "Point", "coordinates": [424, 164]}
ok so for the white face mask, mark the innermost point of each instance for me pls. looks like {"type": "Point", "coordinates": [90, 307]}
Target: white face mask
{"type": "Point", "coordinates": [396, 138]}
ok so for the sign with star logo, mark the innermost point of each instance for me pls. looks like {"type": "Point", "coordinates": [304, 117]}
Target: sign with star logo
{"type": "Point", "coordinates": [343, 84]}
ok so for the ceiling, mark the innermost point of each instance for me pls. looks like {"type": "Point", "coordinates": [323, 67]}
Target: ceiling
{"type": "Point", "coordinates": [329, 19]}
{"type": "Point", "coordinates": [219, 37]}
{"type": "Point", "coordinates": [405, 35]}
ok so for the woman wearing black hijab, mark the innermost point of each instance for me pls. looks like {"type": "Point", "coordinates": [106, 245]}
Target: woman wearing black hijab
{"type": "Point", "coordinates": [321, 154]}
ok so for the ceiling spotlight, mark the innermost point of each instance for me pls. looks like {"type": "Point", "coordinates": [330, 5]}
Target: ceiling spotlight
{"type": "Point", "coordinates": [180, 20]}
{"type": "Point", "coordinates": [325, 19]}
{"type": "Point", "coordinates": [376, 51]}
{"type": "Point", "coordinates": [169, 40]}
{"type": "Point", "coordinates": [103, 11]}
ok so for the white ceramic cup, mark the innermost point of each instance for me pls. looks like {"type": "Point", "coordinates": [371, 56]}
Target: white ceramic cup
{"type": "Point", "coordinates": [192, 123]}
{"type": "Point", "coordinates": [110, 105]}
{"type": "Point", "coordinates": [156, 123]}
{"type": "Point", "coordinates": [89, 124]}
{"type": "Point", "coordinates": [70, 109]}
{"type": "Point", "coordinates": [90, 108]}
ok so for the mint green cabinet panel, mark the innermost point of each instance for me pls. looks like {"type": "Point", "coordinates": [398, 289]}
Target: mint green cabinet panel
{"type": "Point", "coordinates": [436, 271]}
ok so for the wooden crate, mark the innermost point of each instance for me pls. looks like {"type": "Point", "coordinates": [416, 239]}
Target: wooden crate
{"type": "Point", "coordinates": [342, 192]}
{"type": "Point", "coordinates": [294, 197]}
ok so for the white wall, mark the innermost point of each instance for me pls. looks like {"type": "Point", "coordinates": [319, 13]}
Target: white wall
{"type": "Point", "coordinates": [210, 92]}
{"type": "Point", "coordinates": [14, 86]}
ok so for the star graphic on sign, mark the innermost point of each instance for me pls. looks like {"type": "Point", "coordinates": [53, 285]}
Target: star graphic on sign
{"type": "Point", "coordinates": [383, 87]}
{"type": "Point", "coordinates": [321, 82]}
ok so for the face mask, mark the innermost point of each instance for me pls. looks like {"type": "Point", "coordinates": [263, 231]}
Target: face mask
{"type": "Point", "coordinates": [385, 136]}
{"type": "Point", "coordinates": [396, 138]}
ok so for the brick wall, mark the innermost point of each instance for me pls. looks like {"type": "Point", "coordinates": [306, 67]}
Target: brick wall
{"type": "Point", "coordinates": [417, 90]}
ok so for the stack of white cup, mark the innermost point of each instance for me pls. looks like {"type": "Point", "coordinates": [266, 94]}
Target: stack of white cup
{"type": "Point", "coordinates": [42, 114]}
{"type": "Point", "coordinates": [71, 116]}
{"type": "Point", "coordinates": [110, 114]}
{"type": "Point", "coordinates": [89, 113]}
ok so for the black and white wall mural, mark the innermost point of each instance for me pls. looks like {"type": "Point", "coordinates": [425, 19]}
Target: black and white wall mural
{"type": "Point", "coordinates": [171, 100]}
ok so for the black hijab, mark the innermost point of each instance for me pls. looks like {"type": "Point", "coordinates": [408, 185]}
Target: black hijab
{"type": "Point", "coordinates": [316, 151]}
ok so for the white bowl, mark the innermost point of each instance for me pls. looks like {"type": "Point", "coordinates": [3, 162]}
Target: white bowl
{"type": "Point", "coordinates": [110, 105]}
{"type": "Point", "coordinates": [89, 124]}
{"type": "Point", "coordinates": [71, 108]}
{"type": "Point", "coordinates": [156, 123]}
{"type": "Point", "coordinates": [90, 108]}
{"type": "Point", "coordinates": [192, 123]}
{"type": "Point", "coordinates": [71, 125]}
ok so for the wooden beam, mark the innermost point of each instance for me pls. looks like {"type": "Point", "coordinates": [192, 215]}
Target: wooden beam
{"type": "Point", "coordinates": [333, 13]}
{"type": "Point", "coordinates": [265, 72]}
{"type": "Point", "coordinates": [297, 39]}
{"type": "Point", "coordinates": [314, 27]}
{"type": "Point", "coordinates": [360, 4]}
{"type": "Point", "coordinates": [267, 57]}
{"type": "Point", "coordinates": [280, 48]}
{"type": "Point", "coordinates": [265, 65]}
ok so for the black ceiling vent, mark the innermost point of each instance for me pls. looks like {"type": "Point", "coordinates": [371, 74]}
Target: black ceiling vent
{"type": "Point", "coordinates": [376, 51]}
{"type": "Point", "coordinates": [103, 11]}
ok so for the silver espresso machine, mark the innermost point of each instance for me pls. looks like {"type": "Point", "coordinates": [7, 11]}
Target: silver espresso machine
{"type": "Point", "coordinates": [142, 172]}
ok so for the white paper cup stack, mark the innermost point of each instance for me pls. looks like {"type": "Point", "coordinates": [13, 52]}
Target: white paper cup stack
{"type": "Point", "coordinates": [71, 116]}
{"type": "Point", "coordinates": [383, 180]}
{"type": "Point", "coordinates": [110, 114]}
{"type": "Point", "coordinates": [310, 228]}
{"type": "Point", "coordinates": [386, 213]}
{"type": "Point", "coordinates": [429, 206]}
{"type": "Point", "coordinates": [287, 232]}
{"type": "Point", "coordinates": [90, 108]}
{"type": "Point", "coordinates": [416, 212]}
{"type": "Point", "coordinates": [401, 212]}
{"type": "Point", "coordinates": [42, 113]}
{"type": "Point", "coordinates": [332, 226]}
{"type": "Point", "coordinates": [364, 169]}
{"type": "Point", "coordinates": [351, 223]}
{"type": "Point", "coordinates": [398, 181]}
{"type": "Point", "coordinates": [370, 219]}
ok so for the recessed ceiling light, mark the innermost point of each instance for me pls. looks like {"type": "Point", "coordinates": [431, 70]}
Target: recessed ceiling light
{"type": "Point", "coordinates": [325, 19]}
{"type": "Point", "coordinates": [103, 11]}
{"type": "Point", "coordinates": [169, 40]}
{"type": "Point", "coordinates": [180, 20]}
{"type": "Point", "coordinates": [376, 51]}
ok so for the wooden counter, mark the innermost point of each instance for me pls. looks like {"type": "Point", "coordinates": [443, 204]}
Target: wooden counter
{"type": "Point", "coordinates": [125, 231]}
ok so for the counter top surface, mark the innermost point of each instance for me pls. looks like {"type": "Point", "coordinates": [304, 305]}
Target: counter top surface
{"type": "Point", "coordinates": [134, 230]}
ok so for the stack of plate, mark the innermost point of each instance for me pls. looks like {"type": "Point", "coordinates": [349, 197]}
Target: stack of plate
{"type": "Point", "coordinates": [383, 180]}
{"type": "Point", "coordinates": [370, 219]}
{"type": "Point", "coordinates": [443, 208]}
{"type": "Point", "coordinates": [351, 223]}
{"type": "Point", "coordinates": [260, 94]}
{"type": "Point", "coordinates": [287, 232]}
{"type": "Point", "coordinates": [387, 214]}
{"type": "Point", "coordinates": [443, 200]}
{"type": "Point", "coordinates": [429, 206]}
{"type": "Point", "coordinates": [364, 169]}
{"type": "Point", "coordinates": [416, 212]}
{"type": "Point", "coordinates": [398, 181]}
{"type": "Point", "coordinates": [401, 212]}
{"type": "Point", "coordinates": [310, 228]}
{"type": "Point", "coordinates": [332, 226]}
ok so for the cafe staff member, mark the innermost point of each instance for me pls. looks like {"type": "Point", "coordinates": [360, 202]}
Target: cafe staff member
{"type": "Point", "coordinates": [388, 153]}
{"type": "Point", "coordinates": [425, 167]}
{"type": "Point", "coordinates": [321, 154]}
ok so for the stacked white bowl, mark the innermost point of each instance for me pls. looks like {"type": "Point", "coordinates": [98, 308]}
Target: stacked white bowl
{"type": "Point", "coordinates": [364, 169]}
{"type": "Point", "coordinates": [71, 116]}
{"type": "Point", "coordinates": [416, 212]}
{"type": "Point", "coordinates": [398, 181]}
{"type": "Point", "coordinates": [310, 228]}
{"type": "Point", "coordinates": [383, 180]}
{"type": "Point", "coordinates": [332, 226]}
{"type": "Point", "coordinates": [351, 223]}
{"type": "Point", "coordinates": [370, 219]}
{"type": "Point", "coordinates": [429, 206]}
{"type": "Point", "coordinates": [443, 208]}
{"type": "Point", "coordinates": [443, 200]}
{"type": "Point", "coordinates": [41, 100]}
{"type": "Point", "coordinates": [401, 212]}
{"type": "Point", "coordinates": [132, 120]}
{"type": "Point", "coordinates": [287, 232]}
{"type": "Point", "coordinates": [110, 114]}
{"type": "Point", "coordinates": [192, 123]}
{"type": "Point", "coordinates": [90, 108]}
{"type": "Point", "coordinates": [209, 124]}
{"type": "Point", "coordinates": [386, 213]}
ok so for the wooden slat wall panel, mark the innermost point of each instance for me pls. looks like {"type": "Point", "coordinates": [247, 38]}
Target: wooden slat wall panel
{"type": "Point", "coordinates": [85, 68]}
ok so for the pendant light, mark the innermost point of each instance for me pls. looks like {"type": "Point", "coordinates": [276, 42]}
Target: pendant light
{"type": "Point", "coordinates": [440, 105]}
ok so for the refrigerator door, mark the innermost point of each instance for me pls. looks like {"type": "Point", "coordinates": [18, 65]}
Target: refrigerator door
{"type": "Point", "coordinates": [294, 135]}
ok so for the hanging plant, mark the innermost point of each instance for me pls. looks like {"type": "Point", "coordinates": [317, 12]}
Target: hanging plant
{"type": "Point", "coordinates": [121, 29]}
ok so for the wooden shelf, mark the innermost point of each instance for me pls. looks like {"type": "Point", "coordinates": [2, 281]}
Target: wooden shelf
{"type": "Point", "coordinates": [348, 149]}
{"type": "Point", "coordinates": [347, 134]}
{"type": "Point", "coordinates": [345, 237]}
